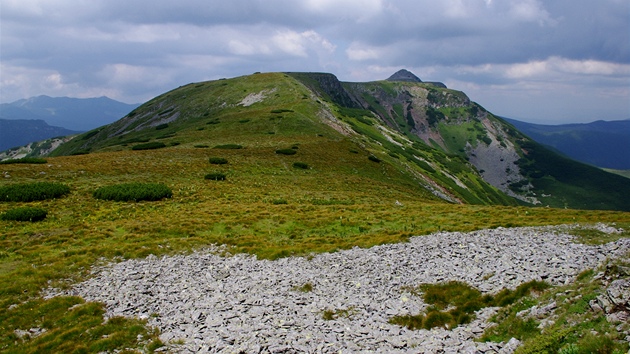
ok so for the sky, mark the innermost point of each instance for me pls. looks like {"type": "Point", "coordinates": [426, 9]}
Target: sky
{"type": "Point", "coordinates": [547, 62]}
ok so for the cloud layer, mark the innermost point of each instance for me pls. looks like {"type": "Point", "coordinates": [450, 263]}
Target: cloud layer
{"type": "Point", "coordinates": [543, 61]}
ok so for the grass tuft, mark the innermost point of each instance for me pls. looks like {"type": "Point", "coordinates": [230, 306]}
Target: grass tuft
{"type": "Point", "coordinates": [462, 300]}
{"type": "Point", "coordinates": [216, 176]}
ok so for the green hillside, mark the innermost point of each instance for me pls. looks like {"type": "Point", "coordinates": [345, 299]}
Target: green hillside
{"type": "Point", "coordinates": [432, 138]}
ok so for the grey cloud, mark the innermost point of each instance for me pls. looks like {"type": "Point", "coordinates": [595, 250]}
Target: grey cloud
{"type": "Point", "coordinates": [138, 49]}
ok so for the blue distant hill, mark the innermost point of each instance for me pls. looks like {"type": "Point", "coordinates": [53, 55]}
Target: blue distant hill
{"type": "Point", "coordinates": [20, 132]}
{"type": "Point", "coordinates": [77, 114]}
{"type": "Point", "coordinates": [602, 143]}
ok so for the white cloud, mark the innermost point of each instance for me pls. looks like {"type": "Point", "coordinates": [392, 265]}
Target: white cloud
{"type": "Point", "coordinates": [530, 10]}
{"type": "Point", "coordinates": [298, 43]}
{"type": "Point", "coordinates": [359, 52]}
{"type": "Point", "coordinates": [359, 10]}
{"type": "Point", "coordinates": [555, 66]}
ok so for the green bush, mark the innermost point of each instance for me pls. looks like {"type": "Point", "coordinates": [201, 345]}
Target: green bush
{"type": "Point", "coordinates": [215, 176]}
{"type": "Point", "coordinates": [161, 126]}
{"type": "Point", "coordinates": [149, 146]}
{"type": "Point", "coordinates": [29, 192]}
{"type": "Point", "coordinates": [301, 165]}
{"type": "Point", "coordinates": [286, 152]}
{"type": "Point", "coordinates": [24, 214]}
{"type": "Point", "coordinates": [229, 146]}
{"type": "Point", "coordinates": [34, 160]}
{"type": "Point", "coordinates": [126, 192]}
{"type": "Point", "coordinates": [218, 161]}
{"type": "Point", "coordinates": [374, 158]}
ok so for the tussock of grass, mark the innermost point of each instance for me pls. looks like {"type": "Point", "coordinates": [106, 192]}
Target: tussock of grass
{"type": "Point", "coordinates": [306, 288]}
{"type": "Point", "coordinates": [463, 300]}
{"type": "Point", "coordinates": [217, 176]}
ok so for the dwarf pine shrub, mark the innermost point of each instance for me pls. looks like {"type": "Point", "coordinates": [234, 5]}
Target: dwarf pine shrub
{"type": "Point", "coordinates": [33, 160]}
{"type": "Point", "coordinates": [301, 165]}
{"type": "Point", "coordinates": [286, 152]}
{"type": "Point", "coordinates": [229, 146]}
{"type": "Point", "coordinates": [374, 158]}
{"type": "Point", "coordinates": [149, 146]}
{"type": "Point", "coordinates": [218, 161]}
{"type": "Point", "coordinates": [215, 176]}
{"type": "Point", "coordinates": [127, 192]}
{"type": "Point", "coordinates": [24, 214]}
{"type": "Point", "coordinates": [29, 192]}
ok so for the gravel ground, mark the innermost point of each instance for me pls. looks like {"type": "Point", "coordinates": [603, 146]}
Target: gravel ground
{"type": "Point", "coordinates": [205, 302]}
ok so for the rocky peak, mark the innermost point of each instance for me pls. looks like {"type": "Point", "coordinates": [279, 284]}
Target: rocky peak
{"type": "Point", "coordinates": [404, 75]}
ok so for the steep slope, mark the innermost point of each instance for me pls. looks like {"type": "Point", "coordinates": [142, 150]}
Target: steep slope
{"type": "Point", "coordinates": [418, 138]}
{"type": "Point", "coordinates": [602, 143]}
{"type": "Point", "coordinates": [79, 114]}
{"type": "Point", "coordinates": [19, 132]}
{"type": "Point", "coordinates": [447, 121]}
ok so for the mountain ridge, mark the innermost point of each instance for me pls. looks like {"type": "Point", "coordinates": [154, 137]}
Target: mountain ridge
{"type": "Point", "coordinates": [15, 133]}
{"type": "Point", "coordinates": [434, 137]}
{"type": "Point", "coordinates": [600, 143]}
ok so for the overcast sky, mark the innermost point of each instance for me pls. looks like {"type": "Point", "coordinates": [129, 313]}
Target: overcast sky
{"type": "Point", "coordinates": [555, 61]}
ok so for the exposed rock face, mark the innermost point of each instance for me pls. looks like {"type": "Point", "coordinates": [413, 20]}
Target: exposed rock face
{"type": "Point", "coordinates": [212, 303]}
{"type": "Point", "coordinates": [615, 301]}
{"type": "Point", "coordinates": [404, 75]}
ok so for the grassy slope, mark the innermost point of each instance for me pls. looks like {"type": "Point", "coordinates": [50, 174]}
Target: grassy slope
{"type": "Point", "coordinates": [265, 207]}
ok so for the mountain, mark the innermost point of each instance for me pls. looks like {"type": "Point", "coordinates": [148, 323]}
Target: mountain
{"type": "Point", "coordinates": [407, 76]}
{"type": "Point", "coordinates": [19, 132]}
{"type": "Point", "coordinates": [426, 140]}
{"type": "Point", "coordinates": [602, 143]}
{"type": "Point", "coordinates": [80, 114]}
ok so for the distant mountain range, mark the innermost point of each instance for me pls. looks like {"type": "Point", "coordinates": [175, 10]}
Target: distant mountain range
{"type": "Point", "coordinates": [602, 143]}
{"type": "Point", "coordinates": [42, 117]}
{"type": "Point", "coordinates": [19, 132]}
{"type": "Point", "coordinates": [78, 114]}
